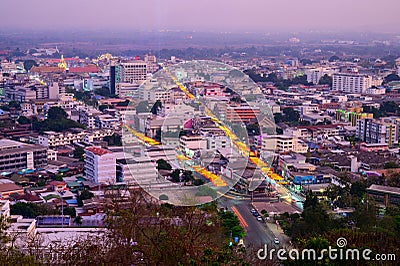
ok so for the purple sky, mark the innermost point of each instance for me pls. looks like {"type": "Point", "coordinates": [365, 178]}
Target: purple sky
{"type": "Point", "coordinates": [203, 15]}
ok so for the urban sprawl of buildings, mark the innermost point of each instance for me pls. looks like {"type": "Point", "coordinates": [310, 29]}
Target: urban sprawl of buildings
{"type": "Point", "coordinates": [72, 124]}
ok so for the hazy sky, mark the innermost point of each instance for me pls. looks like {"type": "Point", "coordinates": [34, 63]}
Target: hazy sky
{"type": "Point", "coordinates": [203, 15]}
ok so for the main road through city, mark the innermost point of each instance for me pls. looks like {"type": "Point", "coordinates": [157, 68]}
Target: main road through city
{"type": "Point", "coordinates": [257, 233]}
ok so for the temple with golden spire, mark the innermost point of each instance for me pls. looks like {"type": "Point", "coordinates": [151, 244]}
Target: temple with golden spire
{"type": "Point", "coordinates": [62, 63]}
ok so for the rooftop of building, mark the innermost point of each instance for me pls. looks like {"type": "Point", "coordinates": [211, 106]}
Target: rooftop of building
{"type": "Point", "coordinates": [11, 146]}
{"type": "Point", "coordinates": [6, 144]}
{"type": "Point", "coordinates": [6, 187]}
{"type": "Point", "coordinates": [320, 126]}
{"type": "Point", "coordinates": [98, 151]}
{"type": "Point", "coordinates": [46, 69]}
{"type": "Point", "coordinates": [26, 197]}
{"type": "Point", "coordinates": [85, 69]}
{"type": "Point", "coordinates": [265, 136]}
{"type": "Point", "coordinates": [384, 189]}
{"type": "Point", "coordinates": [350, 74]}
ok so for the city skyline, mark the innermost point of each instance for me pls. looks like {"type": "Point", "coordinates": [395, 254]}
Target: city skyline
{"type": "Point", "coordinates": [230, 16]}
{"type": "Point", "coordinates": [173, 132]}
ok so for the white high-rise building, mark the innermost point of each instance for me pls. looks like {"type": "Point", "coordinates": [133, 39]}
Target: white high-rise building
{"type": "Point", "coordinates": [134, 72]}
{"type": "Point", "coordinates": [54, 91]}
{"type": "Point", "coordinates": [151, 61]}
{"type": "Point", "coordinates": [100, 165]}
{"type": "Point", "coordinates": [314, 75]}
{"type": "Point", "coordinates": [351, 82]}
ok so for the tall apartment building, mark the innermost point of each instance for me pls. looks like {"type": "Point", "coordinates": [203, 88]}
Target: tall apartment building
{"type": "Point", "coordinates": [54, 91]}
{"type": "Point", "coordinates": [314, 75]}
{"type": "Point", "coordinates": [42, 91]}
{"type": "Point", "coordinates": [16, 155]}
{"type": "Point", "coordinates": [377, 131]}
{"type": "Point", "coordinates": [115, 77]}
{"type": "Point", "coordinates": [151, 61]}
{"type": "Point", "coordinates": [134, 71]}
{"type": "Point", "coordinates": [100, 165]}
{"type": "Point", "coordinates": [351, 82]}
{"type": "Point", "coordinates": [352, 115]}
{"type": "Point", "coordinates": [88, 116]}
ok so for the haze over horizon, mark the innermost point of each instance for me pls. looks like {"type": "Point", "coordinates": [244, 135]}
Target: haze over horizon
{"type": "Point", "coordinates": [204, 15]}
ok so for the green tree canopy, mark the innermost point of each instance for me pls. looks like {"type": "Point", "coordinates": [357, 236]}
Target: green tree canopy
{"type": "Point", "coordinates": [231, 225]}
{"type": "Point", "coordinates": [334, 58]}
{"type": "Point", "coordinates": [124, 103]}
{"type": "Point", "coordinates": [79, 152]}
{"type": "Point", "coordinates": [31, 210]}
{"type": "Point", "coordinates": [289, 115]}
{"type": "Point", "coordinates": [325, 80]}
{"type": "Point", "coordinates": [156, 107]}
{"type": "Point", "coordinates": [390, 165]}
{"type": "Point", "coordinates": [163, 164]}
{"type": "Point", "coordinates": [71, 211]}
{"type": "Point", "coordinates": [14, 104]}
{"type": "Point", "coordinates": [23, 120]}
{"type": "Point", "coordinates": [56, 121]}
{"type": "Point", "coordinates": [78, 220]}
{"type": "Point", "coordinates": [28, 64]}
{"type": "Point", "coordinates": [104, 107]}
{"type": "Point", "coordinates": [175, 175]}
{"type": "Point", "coordinates": [103, 91]}
{"type": "Point", "coordinates": [84, 195]}
{"type": "Point", "coordinates": [56, 113]}
{"type": "Point", "coordinates": [391, 77]}
{"type": "Point", "coordinates": [114, 140]}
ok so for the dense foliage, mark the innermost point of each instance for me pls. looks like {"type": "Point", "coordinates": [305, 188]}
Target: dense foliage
{"type": "Point", "coordinates": [56, 121]}
{"type": "Point", "coordinates": [365, 227]}
{"type": "Point", "coordinates": [32, 210]}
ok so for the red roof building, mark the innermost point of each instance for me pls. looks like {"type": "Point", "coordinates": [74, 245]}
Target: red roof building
{"type": "Point", "coordinates": [85, 69]}
{"type": "Point", "coordinates": [6, 189]}
{"type": "Point", "coordinates": [98, 151]}
{"type": "Point", "coordinates": [46, 69]}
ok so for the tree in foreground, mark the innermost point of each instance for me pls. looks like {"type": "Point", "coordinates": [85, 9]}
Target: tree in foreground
{"type": "Point", "coordinates": [8, 254]}
{"type": "Point", "coordinates": [143, 231]}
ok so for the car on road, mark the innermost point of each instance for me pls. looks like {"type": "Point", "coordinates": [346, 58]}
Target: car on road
{"type": "Point", "coordinates": [259, 218]}
{"type": "Point", "coordinates": [276, 241]}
